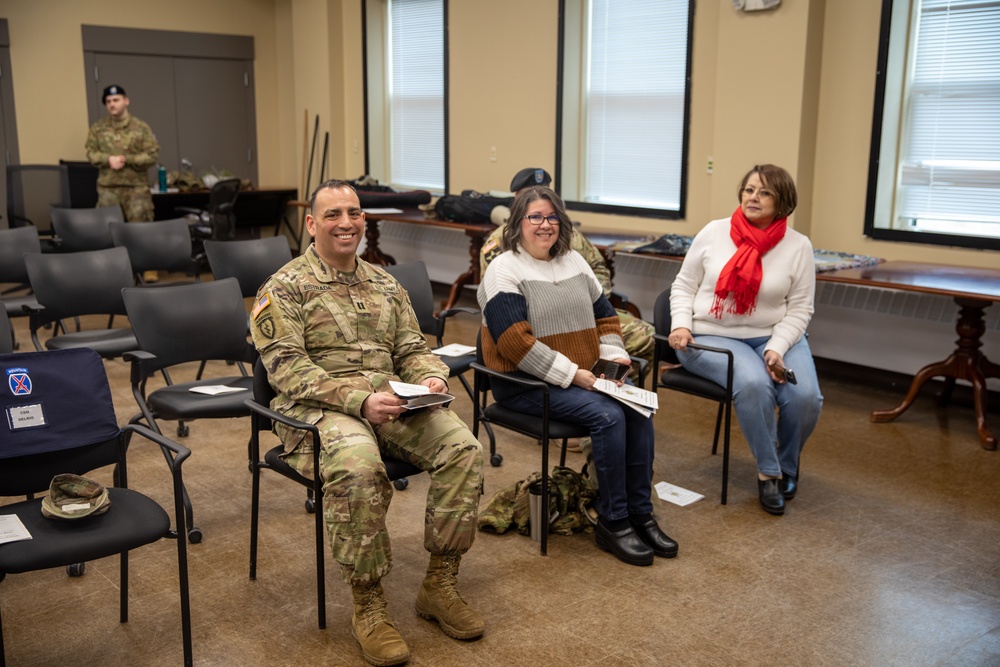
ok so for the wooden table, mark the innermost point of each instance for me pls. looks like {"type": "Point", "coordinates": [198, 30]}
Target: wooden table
{"type": "Point", "coordinates": [974, 290]}
{"type": "Point", "coordinates": [475, 231]}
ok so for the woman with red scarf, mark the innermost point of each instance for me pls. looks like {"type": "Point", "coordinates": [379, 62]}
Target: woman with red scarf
{"type": "Point", "coordinates": [747, 284]}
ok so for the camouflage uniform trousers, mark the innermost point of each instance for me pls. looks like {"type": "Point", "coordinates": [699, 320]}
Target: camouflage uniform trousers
{"type": "Point", "coordinates": [357, 492]}
{"type": "Point", "coordinates": [638, 337]}
{"type": "Point", "coordinates": [136, 201]}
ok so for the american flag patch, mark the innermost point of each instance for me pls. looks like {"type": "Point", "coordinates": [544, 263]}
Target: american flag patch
{"type": "Point", "coordinates": [262, 303]}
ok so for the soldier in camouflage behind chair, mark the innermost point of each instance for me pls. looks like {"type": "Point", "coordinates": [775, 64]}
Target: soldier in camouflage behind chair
{"type": "Point", "coordinates": [123, 148]}
{"type": "Point", "coordinates": [332, 331]}
{"type": "Point", "coordinates": [636, 332]}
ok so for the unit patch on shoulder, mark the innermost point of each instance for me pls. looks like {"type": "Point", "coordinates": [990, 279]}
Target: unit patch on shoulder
{"type": "Point", "coordinates": [261, 304]}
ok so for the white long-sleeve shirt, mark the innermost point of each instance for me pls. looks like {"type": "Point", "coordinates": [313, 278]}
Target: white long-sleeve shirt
{"type": "Point", "coordinates": [784, 302]}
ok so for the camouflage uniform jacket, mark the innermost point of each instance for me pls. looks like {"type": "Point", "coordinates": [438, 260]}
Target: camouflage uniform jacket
{"type": "Point", "coordinates": [328, 340]}
{"type": "Point", "coordinates": [130, 137]}
{"type": "Point", "coordinates": [577, 241]}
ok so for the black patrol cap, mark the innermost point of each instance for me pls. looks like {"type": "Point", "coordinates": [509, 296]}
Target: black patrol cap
{"type": "Point", "coordinates": [528, 177]}
{"type": "Point", "coordinates": [113, 89]}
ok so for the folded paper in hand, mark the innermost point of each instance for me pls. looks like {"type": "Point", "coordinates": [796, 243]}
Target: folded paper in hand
{"type": "Point", "coordinates": [418, 396]}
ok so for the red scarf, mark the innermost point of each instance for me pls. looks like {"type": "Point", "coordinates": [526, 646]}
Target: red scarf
{"type": "Point", "coordinates": [740, 278]}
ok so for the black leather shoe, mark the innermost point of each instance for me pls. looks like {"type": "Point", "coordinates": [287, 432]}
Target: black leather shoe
{"type": "Point", "coordinates": [650, 533]}
{"type": "Point", "coordinates": [789, 486]}
{"type": "Point", "coordinates": [624, 544]}
{"type": "Point", "coordinates": [770, 496]}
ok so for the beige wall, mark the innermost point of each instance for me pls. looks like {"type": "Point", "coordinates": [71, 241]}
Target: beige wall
{"type": "Point", "coordinates": [794, 86]}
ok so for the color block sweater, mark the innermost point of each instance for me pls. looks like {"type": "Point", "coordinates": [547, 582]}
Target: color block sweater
{"type": "Point", "coordinates": [545, 319]}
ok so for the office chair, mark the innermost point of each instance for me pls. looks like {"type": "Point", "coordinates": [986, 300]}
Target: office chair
{"type": "Point", "coordinates": [678, 378]}
{"type": "Point", "coordinates": [543, 429]}
{"type": "Point", "coordinates": [71, 285]}
{"type": "Point", "coordinates": [261, 420]}
{"type": "Point", "coordinates": [79, 229]}
{"type": "Point", "coordinates": [32, 189]}
{"type": "Point", "coordinates": [81, 434]}
{"type": "Point", "coordinates": [417, 283]}
{"type": "Point", "coordinates": [14, 243]}
{"type": "Point", "coordinates": [164, 245]}
{"type": "Point", "coordinates": [217, 220]}
{"type": "Point", "coordinates": [250, 261]}
{"type": "Point", "coordinates": [178, 324]}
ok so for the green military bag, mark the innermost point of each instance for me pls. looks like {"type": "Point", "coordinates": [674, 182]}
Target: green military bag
{"type": "Point", "coordinates": [572, 500]}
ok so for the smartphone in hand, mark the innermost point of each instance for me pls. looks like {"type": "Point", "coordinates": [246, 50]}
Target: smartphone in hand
{"type": "Point", "coordinates": [611, 370]}
{"type": "Point", "coordinates": [783, 373]}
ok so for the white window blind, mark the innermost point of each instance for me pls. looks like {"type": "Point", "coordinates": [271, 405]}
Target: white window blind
{"type": "Point", "coordinates": [949, 172]}
{"type": "Point", "coordinates": [634, 102]}
{"type": "Point", "coordinates": [416, 93]}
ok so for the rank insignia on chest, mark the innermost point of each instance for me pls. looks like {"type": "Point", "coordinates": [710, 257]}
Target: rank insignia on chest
{"type": "Point", "coordinates": [360, 305]}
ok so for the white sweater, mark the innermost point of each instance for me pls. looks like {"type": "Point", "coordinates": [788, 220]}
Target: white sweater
{"type": "Point", "coordinates": [784, 302]}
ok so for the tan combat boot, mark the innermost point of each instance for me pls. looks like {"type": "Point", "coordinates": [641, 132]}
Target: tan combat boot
{"type": "Point", "coordinates": [372, 627]}
{"type": "Point", "coordinates": [439, 599]}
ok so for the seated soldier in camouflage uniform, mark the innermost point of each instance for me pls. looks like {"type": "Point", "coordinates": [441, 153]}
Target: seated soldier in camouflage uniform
{"type": "Point", "coordinates": [332, 331]}
{"type": "Point", "coordinates": [636, 332]}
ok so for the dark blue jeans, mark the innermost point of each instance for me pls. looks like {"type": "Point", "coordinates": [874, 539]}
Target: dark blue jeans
{"type": "Point", "coordinates": [622, 441]}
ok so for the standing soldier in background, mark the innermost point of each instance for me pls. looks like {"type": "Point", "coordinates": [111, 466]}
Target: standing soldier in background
{"type": "Point", "coordinates": [123, 148]}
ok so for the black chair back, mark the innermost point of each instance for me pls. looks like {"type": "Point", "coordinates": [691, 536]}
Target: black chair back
{"type": "Point", "coordinates": [221, 208]}
{"type": "Point", "coordinates": [194, 322]}
{"type": "Point", "coordinates": [164, 245]}
{"type": "Point", "coordinates": [250, 261]}
{"type": "Point", "coordinates": [6, 333]}
{"type": "Point", "coordinates": [661, 324]}
{"type": "Point", "coordinates": [79, 283]}
{"type": "Point", "coordinates": [84, 228]}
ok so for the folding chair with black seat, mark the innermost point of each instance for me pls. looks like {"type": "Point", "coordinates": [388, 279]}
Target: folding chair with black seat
{"type": "Point", "coordinates": [678, 378]}
{"type": "Point", "coordinates": [180, 324]}
{"type": "Point", "coordinates": [79, 229]}
{"type": "Point", "coordinates": [261, 420]}
{"type": "Point", "coordinates": [543, 428]}
{"type": "Point", "coordinates": [32, 190]}
{"type": "Point", "coordinates": [17, 298]}
{"type": "Point", "coordinates": [73, 285]}
{"type": "Point", "coordinates": [164, 245]}
{"type": "Point", "coordinates": [415, 280]}
{"type": "Point", "coordinates": [250, 261]}
{"type": "Point", "coordinates": [67, 392]}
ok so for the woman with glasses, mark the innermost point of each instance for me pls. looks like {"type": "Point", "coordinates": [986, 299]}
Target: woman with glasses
{"type": "Point", "coordinates": [546, 317]}
{"type": "Point", "coordinates": [747, 284]}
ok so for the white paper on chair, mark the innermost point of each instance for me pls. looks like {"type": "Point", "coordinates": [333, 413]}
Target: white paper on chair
{"type": "Point", "coordinates": [382, 211]}
{"type": "Point", "coordinates": [12, 530]}
{"type": "Point", "coordinates": [641, 400]}
{"type": "Point", "coordinates": [675, 494]}
{"type": "Point", "coordinates": [215, 389]}
{"type": "Point", "coordinates": [454, 350]}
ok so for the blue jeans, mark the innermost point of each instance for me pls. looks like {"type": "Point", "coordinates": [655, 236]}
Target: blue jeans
{"type": "Point", "coordinates": [622, 442]}
{"type": "Point", "coordinates": [776, 440]}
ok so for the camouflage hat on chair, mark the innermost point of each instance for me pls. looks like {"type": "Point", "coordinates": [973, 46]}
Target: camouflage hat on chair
{"type": "Point", "coordinates": [74, 497]}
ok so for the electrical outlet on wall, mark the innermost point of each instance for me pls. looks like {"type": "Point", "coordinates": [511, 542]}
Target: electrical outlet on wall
{"type": "Point", "coordinates": [710, 166]}
{"type": "Point", "coordinates": [493, 153]}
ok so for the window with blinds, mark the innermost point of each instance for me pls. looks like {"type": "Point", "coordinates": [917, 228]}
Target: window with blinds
{"type": "Point", "coordinates": [623, 105]}
{"type": "Point", "coordinates": [405, 83]}
{"type": "Point", "coordinates": [941, 79]}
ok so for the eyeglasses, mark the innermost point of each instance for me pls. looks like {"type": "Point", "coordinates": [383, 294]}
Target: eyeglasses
{"type": "Point", "coordinates": [537, 219]}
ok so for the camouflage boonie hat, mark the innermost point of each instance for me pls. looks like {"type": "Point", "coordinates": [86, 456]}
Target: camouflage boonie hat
{"type": "Point", "coordinates": [74, 497]}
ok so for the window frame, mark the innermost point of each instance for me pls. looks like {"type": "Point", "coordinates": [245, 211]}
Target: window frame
{"type": "Point", "coordinates": [615, 209]}
{"type": "Point", "coordinates": [367, 96]}
{"type": "Point", "coordinates": [891, 74]}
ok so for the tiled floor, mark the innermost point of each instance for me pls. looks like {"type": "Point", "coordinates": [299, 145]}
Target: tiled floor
{"type": "Point", "coordinates": [888, 556]}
